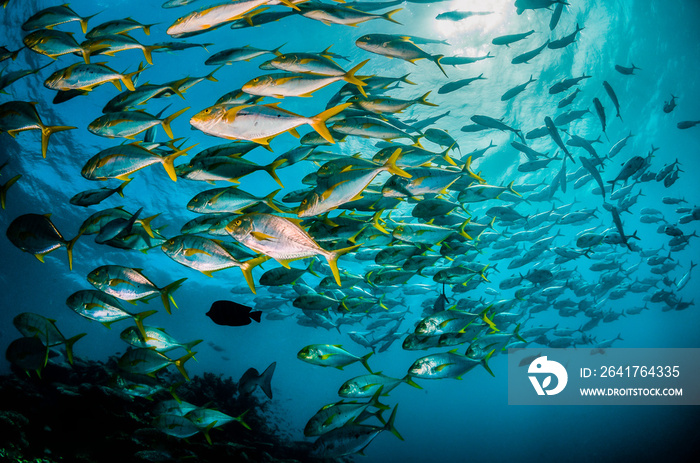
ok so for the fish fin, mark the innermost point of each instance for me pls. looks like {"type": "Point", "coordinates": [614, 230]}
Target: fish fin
{"type": "Point", "coordinates": [436, 59]}
{"type": "Point", "coordinates": [166, 122]}
{"type": "Point", "coordinates": [265, 380]}
{"type": "Point", "coordinates": [485, 362]}
{"type": "Point", "coordinates": [289, 4]}
{"type": "Point", "coordinates": [363, 360]}
{"type": "Point", "coordinates": [407, 379]}
{"type": "Point", "coordinates": [120, 188]}
{"type": "Point", "coordinates": [168, 160]}
{"type": "Point", "coordinates": [332, 258]}
{"type": "Point", "coordinates": [256, 315]}
{"type": "Point", "coordinates": [69, 249]}
{"type": "Point", "coordinates": [69, 346]}
{"type": "Point", "coordinates": [272, 170]}
{"type": "Point", "coordinates": [391, 166]}
{"type": "Point", "coordinates": [388, 17]}
{"type": "Point", "coordinates": [318, 122]}
{"type": "Point", "coordinates": [350, 78]}
{"type": "Point", "coordinates": [46, 132]}
{"type": "Point", "coordinates": [166, 294]}
{"type": "Point", "coordinates": [180, 364]}
{"type": "Point", "coordinates": [422, 100]}
{"type": "Point", "coordinates": [128, 79]}
{"type": "Point", "coordinates": [247, 269]}
{"type": "Point", "coordinates": [5, 187]}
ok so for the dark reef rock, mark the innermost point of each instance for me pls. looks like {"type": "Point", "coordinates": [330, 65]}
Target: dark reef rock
{"type": "Point", "coordinates": [79, 414]}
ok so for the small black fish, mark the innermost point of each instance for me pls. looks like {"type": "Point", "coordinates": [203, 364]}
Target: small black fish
{"type": "Point", "coordinates": [232, 314]}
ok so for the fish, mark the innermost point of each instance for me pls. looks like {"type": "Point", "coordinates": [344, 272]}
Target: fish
{"type": "Point", "coordinates": [55, 16]}
{"type": "Point", "coordinates": [525, 58]}
{"type": "Point", "coordinates": [446, 365]}
{"type": "Point", "coordinates": [460, 60]}
{"type": "Point", "coordinates": [213, 17]}
{"type": "Point", "coordinates": [93, 197]}
{"type": "Point", "coordinates": [251, 379]}
{"type": "Point", "coordinates": [232, 55]}
{"type": "Point", "coordinates": [281, 239]}
{"type": "Point", "coordinates": [515, 91]}
{"type": "Point", "coordinates": [588, 165]}
{"type": "Point", "coordinates": [36, 234]}
{"type": "Point", "coordinates": [229, 313]}
{"type": "Point", "coordinates": [670, 105]}
{"type": "Point", "coordinates": [336, 415]}
{"type": "Point", "coordinates": [351, 438]}
{"type": "Point", "coordinates": [118, 27]}
{"type": "Point", "coordinates": [19, 116]}
{"type": "Point", "coordinates": [29, 354]}
{"type": "Point", "coordinates": [459, 15]}
{"type": "Point", "coordinates": [339, 14]}
{"type": "Point", "coordinates": [128, 124]}
{"type": "Point", "coordinates": [301, 85]}
{"type": "Point", "coordinates": [627, 71]}
{"type": "Point", "coordinates": [687, 124]}
{"type": "Point", "coordinates": [613, 97]}
{"type": "Point", "coordinates": [366, 386]}
{"type": "Point", "coordinates": [259, 123]}
{"type": "Point", "coordinates": [32, 325]}
{"type": "Point", "coordinates": [53, 44]}
{"type": "Point", "coordinates": [554, 133]}
{"type": "Point", "coordinates": [396, 46]}
{"type": "Point", "coordinates": [327, 355]}
{"type": "Point", "coordinates": [566, 84]}
{"type": "Point", "coordinates": [155, 338]}
{"type": "Point", "coordinates": [511, 38]}
{"type": "Point", "coordinates": [452, 86]}
{"type": "Point", "coordinates": [86, 77]}
{"type": "Point", "coordinates": [565, 41]}
{"type": "Point", "coordinates": [121, 161]}
{"type": "Point", "coordinates": [208, 256]}
{"type": "Point", "coordinates": [101, 307]}
{"type": "Point", "coordinates": [600, 110]}
{"type": "Point", "coordinates": [146, 361]}
{"type": "Point", "coordinates": [130, 284]}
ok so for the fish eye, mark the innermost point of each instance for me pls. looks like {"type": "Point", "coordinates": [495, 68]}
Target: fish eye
{"type": "Point", "coordinates": [304, 201]}
{"type": "Point", "coordinates": [237, 223]}
{"type": "Point", "coordinates": [283, 56]}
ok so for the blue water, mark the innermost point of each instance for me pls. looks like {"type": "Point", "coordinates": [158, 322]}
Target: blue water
{"type": "Point", "coordinates": [448, 420]}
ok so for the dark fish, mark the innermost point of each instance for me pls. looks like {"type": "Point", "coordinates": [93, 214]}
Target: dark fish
{"type": "Point", "coordinates": [230, 313]}
{"type": "Point", "coordinates": [508, 39]}
{"type": "Point", "coordinates": [613, 97]}
{"type": "Point", "coordinates": [687, 124]}
{"type": "Point", "coordinates": [556, 14]}
{"type": "Point", "coordinates": [625, 70]}
{"type": "Point", "coordinates": [251, 379]}
{"type": "Point", "coordinates": [528, 55]}
{"type": "Point", "coordinates": [670, 105]}
{"type": "Point", "coordinates": [600, 110]}
{"type": "Point", "coordinates": [554, 133]}
{"type": "Point", "coordinates": [452, 86]}
{"type": "Point", "coordinates": [594, 173]}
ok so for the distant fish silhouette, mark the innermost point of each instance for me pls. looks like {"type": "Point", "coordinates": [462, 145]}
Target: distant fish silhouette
{"type": "Point", "coordinates": [232, 314]}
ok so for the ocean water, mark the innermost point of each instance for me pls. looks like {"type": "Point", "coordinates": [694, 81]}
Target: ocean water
{"type": "Point", "coordinates": [448, 420]}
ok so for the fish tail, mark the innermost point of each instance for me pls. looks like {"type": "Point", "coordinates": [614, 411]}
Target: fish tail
{"type": "Point", "coordinates": [147, 28]}
{"type": "Point", "coordinates": [239, 418]}
{"type": "Point", "coordinates": [464, 233]}
{"type": "Point", "coordinates": [272, 170]}
{"type": "Point", "coordinates": [120, 188]}
{"type": "Point", "coordinates": [391, 166]}
{"type": "Point", "coordinates": [388, 17]}
{"type": "Point", "coordinates": [405, 80]}
{"type": "Point", "coordinates": [516, 333]}
{"type": "Point", "coordinates": [318, 122]}
{"type": "Point", "coordinates": [265, 380]}
{"type": "Point", "coordinates": [467, 169]}
{"type": "Point", "coordinates": [375, 222]}
{"type": "Point", "coordinates": [485, 362]}
{"type": "Point", "coordinates": [69, 346]}
{"type": "Point", "coordinates": [84, 21]}
{"type": "Point", "coordinates": [189, 345]}
{"type": "Point", "coordinates": [5, 187]}
{"type": "Point", "coordinates": [169, 159]}
{"type": "Point", "coordinates": [269, 200]}
{"type": "Point", "coordinates": [446, 155]}
{"type": "Point", "coordinates": [128, 78]}
{"type": "Point", "coordinates": [436, 59]}
{"type": "Point", "coordinates": [407, 379]}
{"type": "Point", "coordinates": [350, 78]}
{"type": "Point", "coordinates": [146, 224]}
{"type": "Point", "coordinates": [138, 319]}
{"type": "Point", "coordinates": [175, 87]}
{"type": "Point", "coordinates": [69, 249]}
{"type": "Point", "coordinates": [147, 52]}
{"type": "Point", "coordinates": [211, 77]}
{"type": "Point", "coordinates": [289, 4]}
{"type": "Point", "coordinates": [510, 188]}
{"type": "Point", "coordinates": [180, 364]}
{"type": "Point", "coordinates": [390, 424]}
{"type": "Point", "coordinates": [166, 122]}
{"type": "Point", "coordinates": [247, 269]}
{"type": "Point", "coordinates": [47, 131]}
{"type": "Point", "coordinates": [363, 360]}
{"type": "Point", "coordinates": [166, 294]}
{"type": "Point", "coordinates": [422, 100]}
{"type": "Point", "coordinates": [332, 258]}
